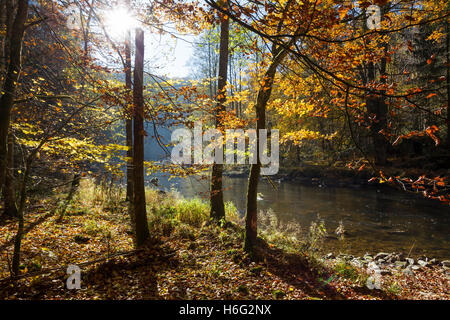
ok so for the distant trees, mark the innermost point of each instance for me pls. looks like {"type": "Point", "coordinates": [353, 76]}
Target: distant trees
{"type": "Point", "coordinates": [205, 59]}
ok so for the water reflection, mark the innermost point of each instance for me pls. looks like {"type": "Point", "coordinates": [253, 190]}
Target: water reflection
{"type": "Point", "coordinates": [375, 220]}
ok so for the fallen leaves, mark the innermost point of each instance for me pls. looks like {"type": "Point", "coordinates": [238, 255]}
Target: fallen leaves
{"type": "Point", "coordinates": [202, 267]}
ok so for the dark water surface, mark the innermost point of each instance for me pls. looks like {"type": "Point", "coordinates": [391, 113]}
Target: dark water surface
{"type": "Point", "coordinates": [375, 219]}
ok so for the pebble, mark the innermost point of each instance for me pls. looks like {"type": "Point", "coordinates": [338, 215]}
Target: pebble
{"type": "Point", "coordinates": [381, 255]}
{"type": "Point", "coordinates": [422, 263]}
{"type": "Point", "coordinates": [386, 261]}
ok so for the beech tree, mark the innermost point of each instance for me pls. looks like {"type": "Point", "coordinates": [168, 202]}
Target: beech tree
{"type": "Point", "coordinates": [140, 212]}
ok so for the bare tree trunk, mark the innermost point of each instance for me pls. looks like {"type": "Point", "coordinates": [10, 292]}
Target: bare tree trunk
{"type": "Point", "coordinates": [73, 188]}
{"type": "Point", "coordinates": [251, 221]}
{"type": "Point", "coordinates": [129, 132]}
{"type": "Point", "coordinates": [10, 188]}
{"type": "Point", "coordinates": [448, 85]}
{"type": "Point", "coordinates": [140, 213]}
{"type": "Point", "coordinates": [11, 78]}
{"type": "Point", "coordinates": [20, 231]}
{"type": "Point", "coordinates": [376, 105]}
{"type": "Point", "coordinates": [129, 115]}
{"type": "Point", "coordinates": [217, 205]}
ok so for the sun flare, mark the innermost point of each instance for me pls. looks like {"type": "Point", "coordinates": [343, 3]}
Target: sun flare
{"type": "Point", "coordinates": [118, 21]}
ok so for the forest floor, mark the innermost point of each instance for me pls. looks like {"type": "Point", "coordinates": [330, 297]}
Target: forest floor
{"type": "Point", "coordinates": [187, 258]}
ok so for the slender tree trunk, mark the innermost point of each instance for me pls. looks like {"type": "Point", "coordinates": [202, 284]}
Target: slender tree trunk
{"type": "Point", "coordinates": [3, 22]}
{"type": "Point", "coordinates": [448, 85]}
{"type": "Point", "coordinates": [251, 216]}
{"type": "Point", "coordinates": [73, 188]}
{"type": "Point", "coordinates": [128, 120]}
{"type": "Point", "coordinates": [129, 115]}
{"type": "Point", "coordinates": [140, 213]}
{"type": "Point", "coordinates": [217, 205]}
{"type": "Point", "coordinates": [20, 231]}
{"type": "Point", "coordinates": [10, 188]}
{"type": "Point", "coordinates": [129, 132]}
{"type": "Point", "coordinates": [11, 78]}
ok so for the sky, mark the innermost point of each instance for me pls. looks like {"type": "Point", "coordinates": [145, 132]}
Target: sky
{"type": "Point", "coordinates": [165, 55]}
{"type": "Point", "coordinates": [168, 56]}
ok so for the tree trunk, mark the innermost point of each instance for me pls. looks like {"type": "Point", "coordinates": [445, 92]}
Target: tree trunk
{"type": "Point", "coordinates": [10, 82]}
{"type": "Point", "coordinates": [10, 189]}
{"type": "Point", "coordinates": [251, 221]}
{"type": "Point", "coordinates": [448, 85]}
{"type": "Point", "coordinates": [140, 213]}
{"type": "Point", "coordinates": [20, 231]}
{"type": "Point", "coordinates": [377, 107]}
{"type": "Point", "coordinates": [73, 188]}
{"type": "Point", "coordinates": [217, 206]}
{"type": "Point", "coordinates": [129, 114]}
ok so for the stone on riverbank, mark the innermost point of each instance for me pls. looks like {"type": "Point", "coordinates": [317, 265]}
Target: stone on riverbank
{"type": "Point", "coordinates": [445, 263]}
{"type": "Point", "coordinates": [381, 255]}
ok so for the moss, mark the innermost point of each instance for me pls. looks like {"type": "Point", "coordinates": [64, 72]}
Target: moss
{"type": "Point", "coordinates": [278, 294]}
{"type": "Point", "coordinates": [243, 289]}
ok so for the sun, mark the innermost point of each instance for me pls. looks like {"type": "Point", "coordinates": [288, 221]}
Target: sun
{"type": "Point", "coordinates": [118, 21]}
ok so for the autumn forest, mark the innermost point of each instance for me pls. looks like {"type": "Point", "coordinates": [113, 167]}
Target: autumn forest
{"type": "Point", "coordinates": [224, 150]}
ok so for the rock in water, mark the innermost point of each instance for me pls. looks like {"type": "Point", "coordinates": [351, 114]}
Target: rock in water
{"type": "Point", "coordinates": [434, 262]}
{"type": "Point", "coordinates": [381, 255]}
{"type": "Point", "coordinates": [422, 263]}
{"type": "Point", "coordinates": [445, 263]}
{"type": "Point", "coordinates": [329, 256]}
{"type": "Point", "coordinates": [368, 257]}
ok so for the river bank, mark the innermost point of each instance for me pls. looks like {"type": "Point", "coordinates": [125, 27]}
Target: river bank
{"type": "Point", "coordinates": [187, 257]}
{"type": "Point", "coordinates": [376, 217]}
{"type": "Point", "coordinates": [336, 175]}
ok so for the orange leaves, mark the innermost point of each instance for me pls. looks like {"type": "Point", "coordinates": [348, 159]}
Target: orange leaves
{"type": "Point", "coordinates": [430, 131]}
{"type": "Point", "coordinates": [343, 12]}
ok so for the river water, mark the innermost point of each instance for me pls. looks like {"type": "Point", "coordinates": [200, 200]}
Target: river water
{"type": "Point", "coordinates": [374, 219]}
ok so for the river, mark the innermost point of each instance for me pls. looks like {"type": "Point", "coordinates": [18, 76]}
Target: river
{"type": "Point", "coordinates": [375, 219]}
